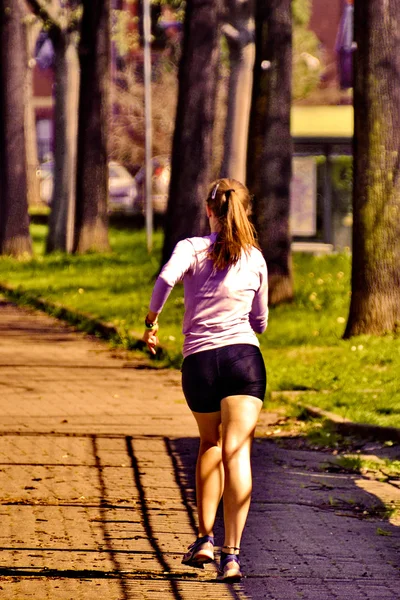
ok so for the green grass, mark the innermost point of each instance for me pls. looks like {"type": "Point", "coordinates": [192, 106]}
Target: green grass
{"type": "Point", "coordinates": [39, 210]}
{"type": "Point", "coordinates": [383, 468]}
{"type": "Point", "coordinates": [358, 378]}
{"type": "Point", "coordinates": [384, 532]}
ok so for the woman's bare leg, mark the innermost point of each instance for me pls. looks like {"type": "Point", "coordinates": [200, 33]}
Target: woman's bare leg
{"type": "Point", "coordinates": [239, 416]}
{"type": "Point", "coordinates": [209, 470]}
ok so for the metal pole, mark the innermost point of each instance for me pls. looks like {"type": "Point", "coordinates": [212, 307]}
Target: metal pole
{"type": "Point", "coordinates": [327, 210]}
{"type": "Point", "coordinates": [148, 123]}
{"type": "Point", "coordinates": [72, 133]}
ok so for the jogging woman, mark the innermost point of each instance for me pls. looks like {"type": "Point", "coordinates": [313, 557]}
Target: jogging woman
{"type": "Point", "coordinates": [223, 374]}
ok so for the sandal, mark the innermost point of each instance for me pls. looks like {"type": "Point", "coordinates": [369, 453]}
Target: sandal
{"type": "Point", "coordinates": [200, 552]}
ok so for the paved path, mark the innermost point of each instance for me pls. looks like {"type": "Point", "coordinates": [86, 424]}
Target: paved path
{"type": "Point", "coordinates": [96, 488]}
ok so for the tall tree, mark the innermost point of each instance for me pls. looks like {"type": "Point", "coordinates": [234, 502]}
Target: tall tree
{"type": "Point", "coordinates": [307, 55]}
{"type": "Point", "coordinates": [239, 33]}
{"type": "Point", "coordinates": [375, 299]}
{"type": "Point", "coordinates": [32, 27]}
{"type": "Point", "coordinates": [91, 227]}
{"type": "Point", "coordinates": [67, 82]}
{"type": "Point", "coordinates": [61, 20]}
{"type": "Point", "coordinates": [270, 143]}
{"type": "Point", "coordinates": [192, 143]}
{"type": "Point", "coordinates": [14, 221]}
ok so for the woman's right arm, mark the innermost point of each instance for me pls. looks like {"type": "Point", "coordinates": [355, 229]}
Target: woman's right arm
{"type": "Point", "coordinates": [180, 262]}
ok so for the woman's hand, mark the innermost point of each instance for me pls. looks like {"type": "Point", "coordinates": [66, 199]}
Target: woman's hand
{"type": "Point", "coordinates": [150, 338]}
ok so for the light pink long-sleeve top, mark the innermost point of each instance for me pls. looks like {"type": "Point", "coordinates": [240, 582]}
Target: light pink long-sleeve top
{"type": "Point", "coordinates": [222, 307]}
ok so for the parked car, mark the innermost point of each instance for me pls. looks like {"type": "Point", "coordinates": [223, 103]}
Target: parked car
{"type": "Point", "coordinates": [161, 174]}
{"type": "Point", "coordinates": [45, 174]}
{"type": "Point", "coordinates": [122, 187]}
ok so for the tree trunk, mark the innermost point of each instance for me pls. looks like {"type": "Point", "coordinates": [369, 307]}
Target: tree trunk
{"type": "Point", "coordinates": [66, 128]}
{"type": "Point", "coordinates": [32, 31]}
{"type": "Point", "coordinates": [91, 229]}
{"type": "Point", "coordinates": [14, 221]}
{"type": "Point", "coordinates": [375, 300]}
{"type": "Point", "coordinates": [270, 143]}
{"type": "Point", "coordinates": [192, 143]}
{"type": "Point", "coordinates": [239, 32]}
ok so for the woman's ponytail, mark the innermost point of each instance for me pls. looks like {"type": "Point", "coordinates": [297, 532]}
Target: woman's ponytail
{"type": "Point", "coordinates": [230, 202]}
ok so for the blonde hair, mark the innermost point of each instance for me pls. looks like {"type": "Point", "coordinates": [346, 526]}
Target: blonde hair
{"type": "Point", "coordinates": [230, 202]}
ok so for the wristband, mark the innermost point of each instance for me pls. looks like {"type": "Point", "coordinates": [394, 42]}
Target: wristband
{"type": "Point", "coordinates": [149, 324]}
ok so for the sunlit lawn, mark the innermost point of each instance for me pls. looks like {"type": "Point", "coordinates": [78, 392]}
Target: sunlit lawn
{"type": "Point", "coordinates": [322, 121]}
{"type": "Point", "coordinates": [303, 349]}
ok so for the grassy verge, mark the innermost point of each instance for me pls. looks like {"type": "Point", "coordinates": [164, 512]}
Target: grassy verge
{"type": "Point", "coordinates": [358, 379]}
{"type": "Point", "coordinates": [382, 469]}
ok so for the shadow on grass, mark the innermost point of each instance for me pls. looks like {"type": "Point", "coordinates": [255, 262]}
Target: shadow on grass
{"type": "Point", "coordinates": [91, 325]}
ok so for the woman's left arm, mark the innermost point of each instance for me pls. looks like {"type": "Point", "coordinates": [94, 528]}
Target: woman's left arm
{"type": "Point", "coordinates": [150, 333]}
{"type": "Point", "coordinates": [259, 311]}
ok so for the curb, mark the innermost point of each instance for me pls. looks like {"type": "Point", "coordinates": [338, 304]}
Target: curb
{"type": "Point", "coordinates": [81, 321]}
{"type": "Point", "coordinates": [362, 430]}
{"type": "Point", "coordinates": [342, 425]}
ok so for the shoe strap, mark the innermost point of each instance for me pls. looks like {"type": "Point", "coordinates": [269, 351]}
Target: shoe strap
{"type": "Point", "coordinates": [229, 558]}
{"type": "Point", "coordinates": [203, 540]}
{"type": "Point", "coordinates": [230, 548]}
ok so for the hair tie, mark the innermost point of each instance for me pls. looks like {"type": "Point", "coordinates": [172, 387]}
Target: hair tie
{"type": "Point", "coordinates": [228, 193]}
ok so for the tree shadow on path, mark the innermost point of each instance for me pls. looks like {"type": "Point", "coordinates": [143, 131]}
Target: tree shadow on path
{"type": "Point", "coordinates": [311, 533]}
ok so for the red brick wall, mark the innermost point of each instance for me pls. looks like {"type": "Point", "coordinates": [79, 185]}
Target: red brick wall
{"type": "Point", "coordinates": [325, 22]}
{"type": "Point", "coordinates": [42, 82]}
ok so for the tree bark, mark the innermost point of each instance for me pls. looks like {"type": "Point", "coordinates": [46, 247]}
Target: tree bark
{"type": "Point", "coordinates": [270, 144]}
{"type": "Point", "coordinates": [62, 31]}
{"type": "Point", "coordinates": [66, 130]}
{"type": "Point", "coordinates": [375, 299]}
{"type": "Point", "coordinates": [14, 221]}
{"type": "Point", "coordinates": [239, 32]}
{"type": "Point", "coordinates": [32, 31]}
{"type": "Point", "coordinates": [192, 142]}
{"type": "Point", "coordinates": [91, 228]}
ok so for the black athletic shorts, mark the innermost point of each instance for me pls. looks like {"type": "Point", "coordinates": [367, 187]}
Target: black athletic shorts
{"type": "Point", "coordinates": [211, 375]}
